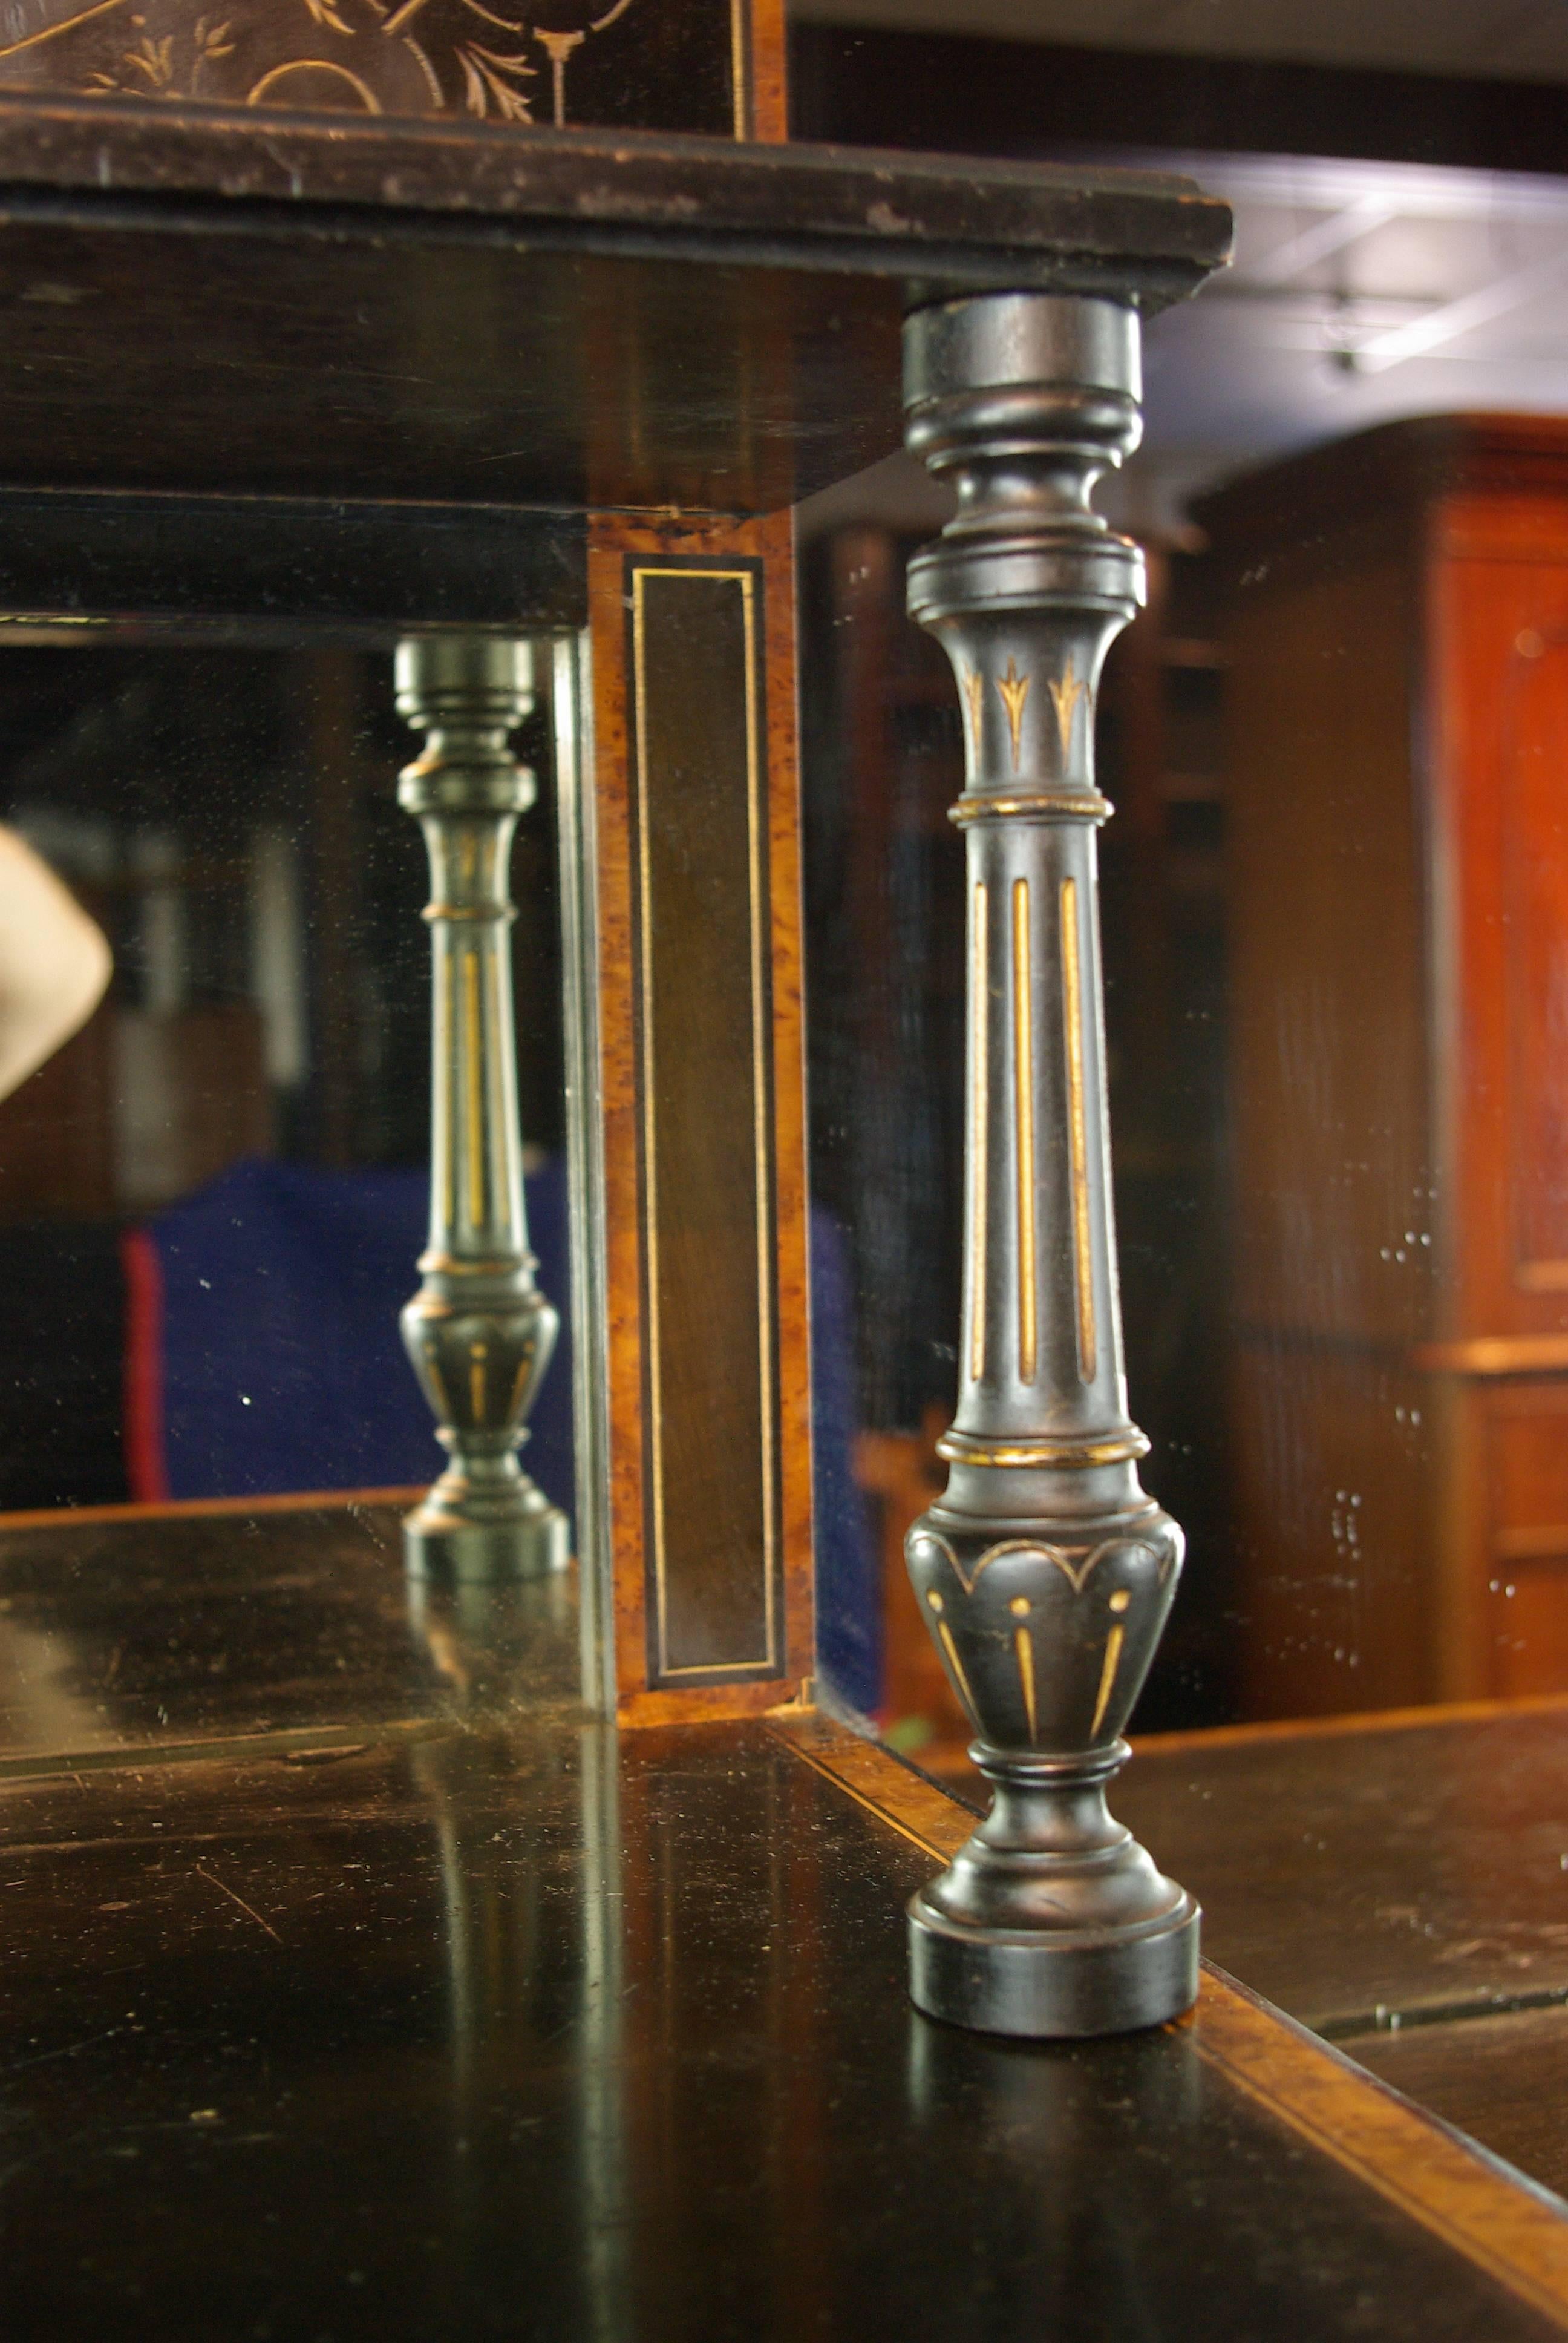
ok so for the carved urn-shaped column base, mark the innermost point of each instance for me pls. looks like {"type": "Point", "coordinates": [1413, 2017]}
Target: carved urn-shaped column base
{"type": "Point", "coordinates": [484, 1519]}
{"type": "Point", "coordinates": [1051, 1920]}
{"type": "Point", "coordinates": [480, 1341]}
{"type": "Point", "coordinates": [1110, 1946]}
{"type": "Point", "coordinates": [444, 1538]}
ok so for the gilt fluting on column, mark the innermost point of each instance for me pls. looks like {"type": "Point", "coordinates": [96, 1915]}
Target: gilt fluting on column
{"type": "Point", "coordinates": [1045, 1573]}
{"type": "Point", "coordinates": [478, 1332]}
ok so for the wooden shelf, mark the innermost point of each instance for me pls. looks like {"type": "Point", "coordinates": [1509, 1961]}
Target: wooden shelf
{"type": "Point", "coordinates": [361, 1996]}
{"type": "Point", "coordinates": [280, 306]}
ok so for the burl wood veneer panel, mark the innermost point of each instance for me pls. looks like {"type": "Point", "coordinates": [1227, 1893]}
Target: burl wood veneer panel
{"type": "Point", "coordinates": [697, 821]}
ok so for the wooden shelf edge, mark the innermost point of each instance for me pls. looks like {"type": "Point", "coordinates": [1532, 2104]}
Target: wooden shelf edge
{"type": "Point", "coordinates": [1500, 2221]}
{"type": "Point", "coordinates": [293, 1501]}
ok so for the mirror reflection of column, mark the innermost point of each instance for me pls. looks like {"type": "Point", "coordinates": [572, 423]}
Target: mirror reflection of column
{"type": "Point", "coordinates": [479, 1332]}
{"type": "Point", "coordinates": [1045, 1573]}
{"type": "Point", "coordinates": [527, 1827]}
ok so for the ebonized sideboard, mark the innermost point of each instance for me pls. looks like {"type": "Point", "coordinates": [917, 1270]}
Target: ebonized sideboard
{"type": "Point", "coordinates": [368, 1971]}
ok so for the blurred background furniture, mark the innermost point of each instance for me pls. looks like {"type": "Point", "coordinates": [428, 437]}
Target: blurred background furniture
{"type": "Point", "coordinates": [1395, 616]}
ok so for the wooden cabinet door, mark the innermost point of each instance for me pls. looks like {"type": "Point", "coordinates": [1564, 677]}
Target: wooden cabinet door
{"type": "Point", "coordinates": [1500, 933]}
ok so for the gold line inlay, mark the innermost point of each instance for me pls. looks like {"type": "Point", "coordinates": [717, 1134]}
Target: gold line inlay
{"type": "Point", "coordinates": [739, 76]}
{"type": "Point", "coordinates": [446, 1127]}
{"type": "Point", "coordinates": [1069, 805]}
{"type": "Point", "coordinates": [761, 943]}
{"type": "Point", "coordinates": [67, 25]}
{"type": "Point", "coordinates": [477, 1389]}
{"type": "Point", "coordinates": [1120, 1448]}
{"type": "Point", "coordinates": [1023, 1645]}
{"type": "Point", "coordinates": [650, 1147]}
{"type": "Point", "coordinates": [474, 1096]}
{"type": "Point", "coordinates": [521, 1378]}
{"type": "Point", "coordinates": [1014, 690]}
{"type": "Point", "coordinates": [1023, 1116]}
{"type": "Point", "coordinates": [1077, 1133]}
{"type": "Point", "coordinates": [1113, 1644]}
{"type": "Point", "coordinates": [979, 1110]}
{"type": "Point", "coordinates": [472, 1264]}
{"type": "Point", "coordinates": [438, 1381]}
{"type": "Point", "coordinates": [945, 1635]}
{"type": "Point", "coordinates": [745, 580]}
{"type": "Point", "coordinates": [1065, 697]}
{"type": "Point", "coordinates": [952, 1649]}
{"type": "Point", "coordinates": [974, 692]}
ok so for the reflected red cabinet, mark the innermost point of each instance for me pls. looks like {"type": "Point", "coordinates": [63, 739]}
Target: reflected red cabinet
{"type": "Point", "coordinates": [1397, 776]}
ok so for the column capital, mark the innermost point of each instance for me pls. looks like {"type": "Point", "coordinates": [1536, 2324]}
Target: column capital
{"type": "Point", "coordinates": [466, 693]}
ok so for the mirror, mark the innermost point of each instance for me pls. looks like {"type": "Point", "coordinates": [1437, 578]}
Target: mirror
{"type": "Point", "coordinates": [212, 1199]}
{"type": "Point", "coordinates": [1333, 916]}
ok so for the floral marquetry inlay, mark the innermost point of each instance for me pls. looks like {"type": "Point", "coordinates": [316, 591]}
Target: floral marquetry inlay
{"type": "Point", "coordinates": [656, 64]}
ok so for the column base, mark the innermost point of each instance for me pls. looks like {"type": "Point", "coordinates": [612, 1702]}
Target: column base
{"type": "Point", "coordinates": [1053, 1984]}
{"type": "Point", "coordinates": [441, 1543]}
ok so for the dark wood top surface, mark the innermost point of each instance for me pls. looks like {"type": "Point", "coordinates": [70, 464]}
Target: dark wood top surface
{"type": "Point", "coordinates": [1422, 1867]}
{"type": "Point", "coordinates": [953, 221]}
{"type": "Point", "coordinates": [210, 300]}
{"type": "Point", "coordinates": [188, 1626]}
{"type": "Point", "coordinates": [414, 2003]}
{"type": "Point", "coordinates": [1503, 2079]}
{"type": "Point", "coordinates": [522, 2033]}
{"type": "Point", "coordinates": [1400, 1884]}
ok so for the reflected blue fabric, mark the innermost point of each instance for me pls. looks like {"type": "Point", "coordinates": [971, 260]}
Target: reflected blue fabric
{"type": "Point", "coordinates": [849, 1597]}
{"type": "Point", "coordinates": [283, 1368]}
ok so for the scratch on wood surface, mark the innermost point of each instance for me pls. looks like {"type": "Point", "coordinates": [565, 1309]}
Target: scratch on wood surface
{"type": "Point", "coordinates": [66, 2050]}
{"type": "Point", "coordinates": [244, 1906]}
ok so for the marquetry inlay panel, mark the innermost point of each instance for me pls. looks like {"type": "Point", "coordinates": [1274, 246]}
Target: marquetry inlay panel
{"type": "Point", "coordinates": [653, 65]}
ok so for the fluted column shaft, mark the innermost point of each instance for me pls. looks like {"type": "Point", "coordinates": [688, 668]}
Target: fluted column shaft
{"type": "Point", "coordinates": [1045, 1573]}
{"type": "Point", "coordinates": [479, 1332]}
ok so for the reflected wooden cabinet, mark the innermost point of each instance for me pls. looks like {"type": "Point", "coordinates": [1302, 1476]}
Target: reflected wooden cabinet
{"type": "Point", "coordinates": [1398, 773]}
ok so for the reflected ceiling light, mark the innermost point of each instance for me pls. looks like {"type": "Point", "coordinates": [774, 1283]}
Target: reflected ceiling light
{"type": "Point", "coordinates": [1422, 335]}
{"type": "Point", "coordinates": [1324, 238]}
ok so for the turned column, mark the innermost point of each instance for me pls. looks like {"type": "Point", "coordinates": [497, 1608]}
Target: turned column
{"type": "Point", "coordinates": [1045, 1573]}
{"type": "Point", "coordinates": [478, 1332]}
